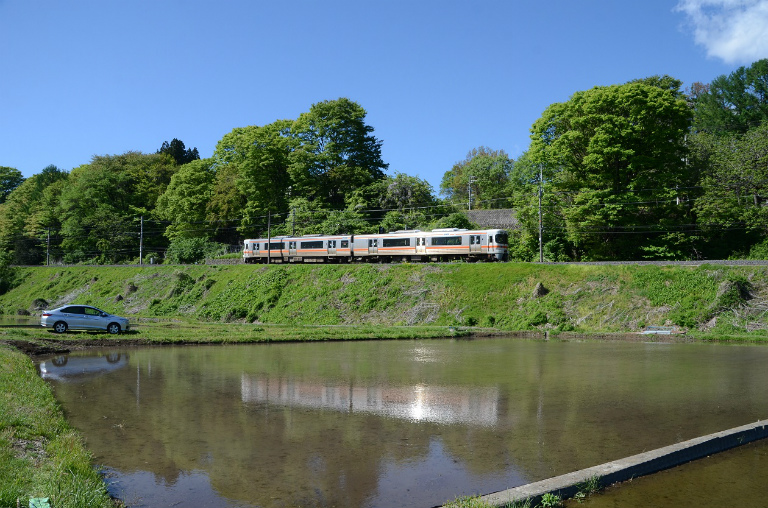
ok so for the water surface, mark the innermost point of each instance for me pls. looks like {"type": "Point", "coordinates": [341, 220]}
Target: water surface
{"type": "Point", "coordinates": [393, 423]}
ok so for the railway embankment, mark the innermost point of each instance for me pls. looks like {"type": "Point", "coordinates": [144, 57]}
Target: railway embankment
{"type": "Point", "coordinates": [706, 301]}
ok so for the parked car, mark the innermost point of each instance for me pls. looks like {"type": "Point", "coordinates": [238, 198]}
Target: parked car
{"type": "Point", "coordinates": [82, 317]}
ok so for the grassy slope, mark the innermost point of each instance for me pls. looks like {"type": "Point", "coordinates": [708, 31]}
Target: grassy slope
{"type": "Point", "coordinates": [581, 298]}
{"type": "Point", "coordinates": [40, 455]}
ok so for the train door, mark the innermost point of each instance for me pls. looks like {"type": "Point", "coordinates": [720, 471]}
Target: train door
{"type": "Point", "coordinates": [421, 245]}
{"type": "Point", "coordinates": [474, 243]}
{"type": "Point", "coordinates": [331, 247]}
{"type": "Point", "coordinates": [373, 246]}
{"type": "Point", "coordinates": [291, 248]}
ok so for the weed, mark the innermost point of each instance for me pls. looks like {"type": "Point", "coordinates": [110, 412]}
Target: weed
{"type": "Point", "coordinates": [588, 487]}
{"type": "Point", "coordinates": [550, 500]}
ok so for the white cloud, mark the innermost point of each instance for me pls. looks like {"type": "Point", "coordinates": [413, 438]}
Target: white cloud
{"type": "Point", "coordinates": [735, 31]}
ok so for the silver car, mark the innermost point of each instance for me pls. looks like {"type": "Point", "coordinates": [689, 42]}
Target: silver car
{"type": "Point", "coordinates": [82, 317]}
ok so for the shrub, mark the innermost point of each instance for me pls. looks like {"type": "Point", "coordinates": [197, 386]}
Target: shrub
{"type": "Point", "coordinates": [7, 274]}
{"type": "Point", "coordinates": [192, 250]}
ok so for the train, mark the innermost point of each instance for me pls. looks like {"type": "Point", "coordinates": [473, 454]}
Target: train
{"type": "Point", "coordinates": [446, 244]}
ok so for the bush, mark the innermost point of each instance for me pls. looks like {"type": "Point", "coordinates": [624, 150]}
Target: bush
{"type": "Point", "coordinates": [7, 273]}
{"type": "Point", "coordinates": [192, 250]}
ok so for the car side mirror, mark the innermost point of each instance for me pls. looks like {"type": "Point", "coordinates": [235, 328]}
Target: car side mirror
{"type": "Point", "coordinates": [104, 314]}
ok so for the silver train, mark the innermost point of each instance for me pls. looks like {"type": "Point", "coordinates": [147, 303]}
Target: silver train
{"type": "Point", "coordinates": [436, 245]}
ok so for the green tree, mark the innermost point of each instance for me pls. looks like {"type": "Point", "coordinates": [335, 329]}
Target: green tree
{"type": "Point", "coordinates": [734, 103]}
{"type": "Point", "coordinates": [403, 191]}
{"type": "Point", "coordinates": [614, 157]}
{"type": "Point", "coordinates": [103, 201]}
{"type": "Point", "coordinates": [7, 273]}
{"type": "Point", "coordinates": [180, 153]}
{"type": "Point", "coordinates": [225, 208]}
{"type": "Point", "coordinates": [185, 201]}
{"type": "Point", "coordinates": [260, 158]}
{"type": "Point", "coordinates": [732, 209]}
{"type": "Point", "coordinates": [486, 172]}
{"type": "Point", "coordinates": [336, 152]}
{"type": "Point", "coordinates": [27, 213]}
{"type": "Point", "coordinates": [10, 178]}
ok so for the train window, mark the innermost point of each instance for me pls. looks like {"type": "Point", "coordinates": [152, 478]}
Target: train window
{"type": "Point", "coordinates": [256, 246]}
{"type": "Point", "coordinates": [474, 239]}
{"type": "Point", "coordinates": [501, 238]}
{"type": "Point", "coordinates": [318, 244]}
{"type": "Point", "coordinates": [345, 244]}
{"type": "Point", "coordinates": [331, 244]}
{"type": "Point", "coordinates": [396, 242]}
{"type": "Point", "coordinates": [446, 240]}
{"type": "Point", "coordinates": [277, 246]}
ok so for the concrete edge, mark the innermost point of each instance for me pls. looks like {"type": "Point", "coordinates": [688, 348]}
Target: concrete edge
{"type": "Point", "coordinates": [642, 464]}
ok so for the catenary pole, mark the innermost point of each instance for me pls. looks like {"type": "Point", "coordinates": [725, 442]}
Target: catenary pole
{"type": "Point", "coordinates": [541, 223]}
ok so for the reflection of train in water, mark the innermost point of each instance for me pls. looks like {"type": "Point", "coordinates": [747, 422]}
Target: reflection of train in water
{"type": "Point", "coordinates": [438, 404]}
{"type": "Point", "coordinates": [436, 245]}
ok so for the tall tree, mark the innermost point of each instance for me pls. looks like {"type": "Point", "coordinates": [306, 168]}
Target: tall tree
{"type": "Point", "coordinates": [260, 157]}
{"type": "Point", "coordinates": [28, 211]}
{"type": "Point", "coordinates": [485, 172]}
{"type": "Point", "coordinates": [184, 202]}
{"type": "Point", "coordinates": [336, 153]}
{"type": "Point", "coordinates": [10, 178]}
{"type": "Point", "coordinates": [615, 157]}
{"type": "Point", "coordinates": [101, 206]}
{"type": "Point", "coordinates": [180, 153]}
{"type": "Point", "coordinates": [732, 208]}
{"type": "Point", "coordinates": [733, 103]}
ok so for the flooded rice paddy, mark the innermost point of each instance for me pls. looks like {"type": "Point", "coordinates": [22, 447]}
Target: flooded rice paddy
{"type": "Point", "coordinates": [391, 423]}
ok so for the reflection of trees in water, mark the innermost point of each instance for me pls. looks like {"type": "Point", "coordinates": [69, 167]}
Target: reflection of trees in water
{"type": "Point", "coordinates": [558, 407]}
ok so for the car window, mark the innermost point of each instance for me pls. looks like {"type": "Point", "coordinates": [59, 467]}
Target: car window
{"type": "Point", "coordinates": [72, 310]}
{"type": "Point", "coordinates": [92, 312]}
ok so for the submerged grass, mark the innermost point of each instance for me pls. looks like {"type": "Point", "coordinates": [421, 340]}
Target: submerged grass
{"type": "Point", "coordinates": [40, 454]}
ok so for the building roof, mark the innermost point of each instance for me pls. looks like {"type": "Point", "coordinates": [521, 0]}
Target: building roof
{"type": "Point", "coordinates": [502, 218]}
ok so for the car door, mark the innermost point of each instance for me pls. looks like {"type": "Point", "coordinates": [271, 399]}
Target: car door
{"type": "Point", "coordinates": [92, 318]}
{"type": "Point", "coordinates": [74, 316]}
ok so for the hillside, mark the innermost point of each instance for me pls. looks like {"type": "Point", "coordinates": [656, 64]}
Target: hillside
{"type": "Point", "coordinates": [726, 300]}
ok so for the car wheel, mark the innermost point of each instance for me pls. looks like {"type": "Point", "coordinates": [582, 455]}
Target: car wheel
{"type": "Point", "coordinates": [60, 327]}
{"type": "Point", "coordinates": [113, 328]}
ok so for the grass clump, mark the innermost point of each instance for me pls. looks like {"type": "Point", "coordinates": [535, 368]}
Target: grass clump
{"type": "Point", "coordinates": [40, 454]}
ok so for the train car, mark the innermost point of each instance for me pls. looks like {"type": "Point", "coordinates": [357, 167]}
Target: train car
{"type": "Point", "coordinates": [303, 249]}
{"type": "Point", "coordinates": [412, 245]}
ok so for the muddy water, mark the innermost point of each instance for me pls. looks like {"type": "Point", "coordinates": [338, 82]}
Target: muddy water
{"type": "Point", "coordinates": [385, 424]}
{"type": "Point", "coordinates": [737, 477]}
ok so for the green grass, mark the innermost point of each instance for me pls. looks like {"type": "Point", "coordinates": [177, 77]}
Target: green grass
{"type": "Point", "coordinates": [183, 332]}
{"type": "Point", "coordinates": [580, 298]}
{"type": "Point", "coordinates": [40, 454]}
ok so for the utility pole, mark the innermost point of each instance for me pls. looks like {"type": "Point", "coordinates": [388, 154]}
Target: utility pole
{"type": "Point", "coordinates": [269, 235]}
{"type": "Point", "coordinates": [469, 185]}
{"type": "Point", "coordinates": [541, 223]}
{"type": "Point", "coordinates": [48, 248]}
{"type": "Point", "coordinates": [293, 222]}
{"type": "Point", "coordinates": [141, 242]}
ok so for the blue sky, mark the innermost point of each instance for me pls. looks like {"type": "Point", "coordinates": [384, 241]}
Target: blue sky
{"type": "Point", "coordinates": [437, 78]}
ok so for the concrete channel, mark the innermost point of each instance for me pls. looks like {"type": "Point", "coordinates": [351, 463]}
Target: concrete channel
{"type": "Point", "coordinates": [567, 485]}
